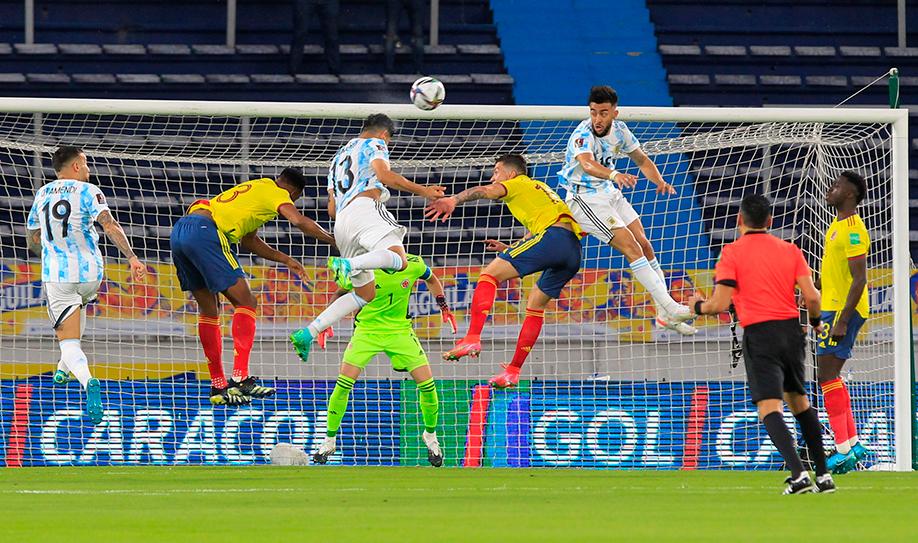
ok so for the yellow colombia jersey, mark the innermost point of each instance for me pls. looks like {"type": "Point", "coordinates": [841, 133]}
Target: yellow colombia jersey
{"type": "Point", "coordinates": [246, 207]}
{"type": "Point", "coordinates": [536, 205]}
{"type": "Point", "coordinates": [845, 239]}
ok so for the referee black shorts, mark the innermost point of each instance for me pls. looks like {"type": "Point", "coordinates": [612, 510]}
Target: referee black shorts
{"type": "Point", "coordinates": [774, 354]}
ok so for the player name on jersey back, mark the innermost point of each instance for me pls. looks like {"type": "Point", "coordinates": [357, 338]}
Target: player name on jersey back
{"type": "Point", "coordinates": [64, 211]}
{"type": "Point", "coordinates": [351, 171]}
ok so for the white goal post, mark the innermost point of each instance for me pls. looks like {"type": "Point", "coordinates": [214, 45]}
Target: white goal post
{"type": "Point", "coordinates": [604, 388]}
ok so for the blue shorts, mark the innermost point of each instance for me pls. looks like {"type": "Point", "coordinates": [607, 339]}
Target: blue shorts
{"type": "Point", "coordinates": [202, 255]}
{"type": "Point", "coordinates": [555, 252]}
{"type": "Point", "coordinates": [839, 349]}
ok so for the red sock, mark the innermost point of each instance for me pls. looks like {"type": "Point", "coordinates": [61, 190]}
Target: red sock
{"type": "Point", "coordinates": [529, 333]}
{"type": "Point", "coordinates": [482, 300]}
{"type": "Point", "coordinates": [243, 337]}
{"type": "Point", "coordinates": [837, 406]}
{"type": "Point", "coordinates": [852, 427]}
{"type": "Point", "coordinates": [212, 341]}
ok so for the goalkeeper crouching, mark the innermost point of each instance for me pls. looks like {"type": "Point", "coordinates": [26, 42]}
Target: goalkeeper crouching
{"type": "Point", "coordinates": [384, 326]}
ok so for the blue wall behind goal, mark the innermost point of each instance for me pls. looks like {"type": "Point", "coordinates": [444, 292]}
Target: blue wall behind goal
{"type": "Point", "coordinates": [555, 51]}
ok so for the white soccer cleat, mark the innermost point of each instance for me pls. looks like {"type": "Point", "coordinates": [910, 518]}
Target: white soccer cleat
{"type": "Point", "coordinates": [682, 314]}
{"type": "Point", "coordinates": [326, 449]}
{"type": "Point", "coordinates": [434, 454]}
{"type": "Point", "coordinates": [683, 328]}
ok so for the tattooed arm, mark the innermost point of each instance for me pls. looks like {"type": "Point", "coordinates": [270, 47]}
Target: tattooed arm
{"type": "Point", "coordinates": [444, 207]}
{"type": "Point", "coordinates": [115, 233]}
{"type": "Point", "coordinates": [33, 238]}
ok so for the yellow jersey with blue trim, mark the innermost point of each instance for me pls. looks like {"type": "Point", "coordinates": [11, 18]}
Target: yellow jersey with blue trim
{"type": "Point", "coordinates": [244, 208]}
{"type": "Point", "coordinates": [536, 206]}
{"type": "Point", "coordinates": [846, 239]}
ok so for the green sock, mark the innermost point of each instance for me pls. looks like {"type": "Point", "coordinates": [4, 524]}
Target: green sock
{"type": "Point", "coordinates": [337, 403]}
{"type": "Point", "coordinates": [430, 404]}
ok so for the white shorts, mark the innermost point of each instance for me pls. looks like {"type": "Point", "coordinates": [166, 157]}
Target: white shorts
{"type": "Point", "coordinates": [601, 214]}
{"type": "Point", "coordinates": [366, 225]}
{"type": "Point", "coordinates": [65, 298]}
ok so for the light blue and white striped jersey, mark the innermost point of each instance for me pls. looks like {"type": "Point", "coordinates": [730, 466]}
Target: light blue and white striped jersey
{"type": "Point", "coordinates": [350, 172]}
{"type": "Point", "coordinates": [616, 144]}
{"type": "Point", "coordinates": [64, 211]}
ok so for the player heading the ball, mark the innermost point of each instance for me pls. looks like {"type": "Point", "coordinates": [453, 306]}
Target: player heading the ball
{"type": "Point", "coordinates": [594, 195]}
{"type": "Point", "coordinates": [368, 236]}
{"type": "Point", "coordinates": [206, 266]}
{"type": "Point", "coordinates": [551, 247]}
{"type": "Point", "coordinates": [61, 231]}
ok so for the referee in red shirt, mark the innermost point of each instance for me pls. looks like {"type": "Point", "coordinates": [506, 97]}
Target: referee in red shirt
{"type": "Point", "coordinates": [759, 272]}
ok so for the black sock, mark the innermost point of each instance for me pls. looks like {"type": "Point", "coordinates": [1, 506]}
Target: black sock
{"type": "Point", "coordinates": [783, 441]}
{"type": "Point", "coordinates": [812, 433]}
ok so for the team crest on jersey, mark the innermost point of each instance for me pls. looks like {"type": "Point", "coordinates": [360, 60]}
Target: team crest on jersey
{"type": "Point", "coordinates": [406, 283]}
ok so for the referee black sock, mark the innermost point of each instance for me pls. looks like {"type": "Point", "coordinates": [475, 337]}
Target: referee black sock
{"type": "Point", "coordinates": [783, 441]}
{"type": "Point", "coordinates": [812, 433]}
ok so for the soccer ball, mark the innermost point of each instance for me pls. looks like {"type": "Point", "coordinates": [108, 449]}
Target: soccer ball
{"type": "Point", "coordinates": [427, 93]}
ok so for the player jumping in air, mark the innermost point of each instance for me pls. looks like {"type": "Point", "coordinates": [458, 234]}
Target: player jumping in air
{"type": "Point", "coordinates": [206, 265]}
{"type": "Point", "coordinates": [60, 231]}
{"type": "Point", "coordinates": [844, 309]}
{"type": "Point", "coordinates": [600, 207]}
{"type": "Point", "coordinates": [367, 235]}
{"type": "Point", "coordinates": [384, 326]}
{"type": "Point", "coordinates": [552, 247]}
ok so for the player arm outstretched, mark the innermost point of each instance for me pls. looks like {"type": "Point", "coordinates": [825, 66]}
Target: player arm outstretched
{"type": "Point", "coordinates": [650, 171]}
{"type": "Point", "coordinates": [443, 208]}
{"type": "Point", "coordinates": [436, 288]}
{"type": "Point", "coordinates": [397, 181]}
{"type": "Point", "coordinates": [115, 233]}
{"type": "Point", "coordinates": [251, 242]}
{"type": "Point", "coordinates": [591, 166]}
{"type": "Point", "coordinates": [306, 225]}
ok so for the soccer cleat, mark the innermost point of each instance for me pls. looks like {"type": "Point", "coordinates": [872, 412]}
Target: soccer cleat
{"type": "Point", "coordinates": [463, 348]}
{"type": "Point", "coordinates": [801, 485]}
{"type": "Point", "coordinates": [840, 464]}
{"type": "Point", "coordinates": [682, 328]}
{"type": "Point", "coordinates": [250, 387]}
{"type": "Point", "coordinates": [302, 343]}
{"type": "Point", "coordinates": [508, 378]}
{"type": "Point", "coordinates": [434, 453]}
{"type": "Point", "coordinates": [230, 397]}
{"type": "Point", "coordinates": [860, 451]}
{"type": "Point", "coordinates": [94, 400]}
{"type": "Point", "coordinates": [683, 314]}
{"type": "Point", "coordinates": [825, 484]}
{"type": "Point", "coordinates": [62, 377]}
{"type": "Point", "coordinates": [326, 449]}
{"type": "Point", "coordinates": [341, 267]}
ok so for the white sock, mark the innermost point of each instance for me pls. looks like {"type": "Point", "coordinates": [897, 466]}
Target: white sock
{"type": "Point", "coordinates": [645, 274]}
{"type": "Point", "coordinates": [72, 357]}
{"type": "Point", "coordinates": [655, 264]}
{"type": "Point", "coordinates": [336, 311]}
{"type": "Point", "coordinates": [844, 447]}
{"type": "Point", "coordinates": [61, 366]}
{"type": "Point", "coordinates": [852, 441]}
{"type": "Point", "coordinates": [380, 259]}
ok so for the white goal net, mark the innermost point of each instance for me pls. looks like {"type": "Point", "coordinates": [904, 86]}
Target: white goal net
{"type": "Point", "coordinates": [603, 387]}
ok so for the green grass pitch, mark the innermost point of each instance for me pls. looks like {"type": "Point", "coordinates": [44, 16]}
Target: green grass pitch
{"type": "Point", "coordinates": [255, 504]}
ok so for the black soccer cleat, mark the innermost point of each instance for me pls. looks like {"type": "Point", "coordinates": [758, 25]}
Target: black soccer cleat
{"type": "Point", "coordinates": [230, 397]}
{"type": "Point", "coordinates": [250, 387]}
{"type": "Point", "coordinates": [326, 449]}
{"type": "Point", "coordinates": [434, 452]}
{"type": "Point", "coordinates": [800, 485]}
{"type": "Point", "coordinates": [825, 484]}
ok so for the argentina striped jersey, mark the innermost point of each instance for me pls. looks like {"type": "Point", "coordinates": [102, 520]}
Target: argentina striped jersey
{"type": "Point", "coordinates": [64, 211]}
{"type": "Point", "coordinates": [351, 172]}
{"type": "Point", "coordinates": [616, 144]}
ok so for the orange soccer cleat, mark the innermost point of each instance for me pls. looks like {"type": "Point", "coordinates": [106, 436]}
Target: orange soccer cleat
{"type": "Point", "coordinates": [465, 347]}
{"type": "Point", "coordinates": [508, 378]}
